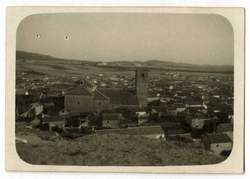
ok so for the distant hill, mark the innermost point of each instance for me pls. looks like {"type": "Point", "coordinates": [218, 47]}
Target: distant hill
{"type": "Point", "coordinates": [21, 55]}
{"type": "Point", "coordinates": [160, 63]}
{"type": "Point", "coordinates": [171, 65]}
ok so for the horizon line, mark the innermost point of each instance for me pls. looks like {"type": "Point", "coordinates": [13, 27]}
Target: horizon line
{"type": "Point", "coordinates": [232, 65]}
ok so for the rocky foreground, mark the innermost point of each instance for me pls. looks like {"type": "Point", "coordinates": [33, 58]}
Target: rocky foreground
{"type": "Point", "coordinates": [48, 148]}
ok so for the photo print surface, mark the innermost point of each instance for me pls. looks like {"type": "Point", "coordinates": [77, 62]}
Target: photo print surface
{"type": "Point", "coordinates": [124, 89]}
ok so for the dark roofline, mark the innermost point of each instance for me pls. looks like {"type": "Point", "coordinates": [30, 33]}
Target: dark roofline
{"type": "Point", "coordinates": [218, 138]}
{"type": "Point", "coordinates": [100, 94]}
{"type": "Point", "coordinates": [68, 93]}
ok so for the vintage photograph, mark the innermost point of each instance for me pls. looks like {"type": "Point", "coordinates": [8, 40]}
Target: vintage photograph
{"type": "Point", "coordinates": [125, 89]}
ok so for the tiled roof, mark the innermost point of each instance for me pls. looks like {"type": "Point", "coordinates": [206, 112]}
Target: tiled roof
{"type": "Point", "coordinates": [137, 109]}
{"type": "Point", "coordinates": [120, 96]}
{"type": "Point", "coordinates": [53, 119]}
{"type": "Point", "coordinates": [196, 108]}
{"type": "Point", "coordinates": [193, 103]}
{"type": "Point", "coordinates": [85, 83]}
{"type": "Point", "coordinates": [24, 108]}
{"type": "Point", "coordinates": [225, 127]}
{"type": "Point", "coordinates": [160, 108]}
{"type": "Point", "coordinates": [37, 104]}
{"type": "Point", "coordinates": [179, 105]}
{"type": "Point", "coordinates": [200, 115]}
{"type": "Point", "coordinates": [80, 90]}
{"type": "Point", "coordinates": [60, 85]}
{"type": "Point", "coordinates": [171, 126]}
{"type": "Point", "coordinates": [25, 99]}
{"type": "Point", "coordinates": [111, 116]}
{"type": "Point", "coordinates": [218, 138]}
{"type": "Point", "coordinates": [99, 96]}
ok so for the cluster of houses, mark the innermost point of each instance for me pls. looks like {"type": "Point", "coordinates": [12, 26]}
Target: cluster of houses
{"type": "Point", "coordinates": [194, 109]}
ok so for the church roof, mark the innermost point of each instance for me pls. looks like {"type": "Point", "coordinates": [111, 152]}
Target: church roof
{"type": "Point", "coordinates": [120, 96]}
{"type": "Point", "coordinates": [99, 96]}
{"type": "Point", "coordinates": [80, 90]}
{"type": "Point", "coordinates": [85, 83]}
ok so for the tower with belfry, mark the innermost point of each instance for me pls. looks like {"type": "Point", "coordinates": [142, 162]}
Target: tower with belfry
{"type": "Point", "coordinates": [141, 86]}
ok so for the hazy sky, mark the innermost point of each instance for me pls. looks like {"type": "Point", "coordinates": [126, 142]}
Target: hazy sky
{"type": "Point", "coordinates": [186, 38]}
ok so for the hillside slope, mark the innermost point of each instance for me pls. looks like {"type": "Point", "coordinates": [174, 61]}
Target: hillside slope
{"type": "Point", "coordinates": [110, 150]}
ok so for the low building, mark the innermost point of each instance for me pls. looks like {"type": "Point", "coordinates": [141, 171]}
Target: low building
{"type": "Point", "coordinates": [31, 110]}
{"type": "Point", "coordinates": [179, 107]}
{"type": "Point", "coordinates": [158, 110]}
{"type": "Point", "coordinates": [193, 104]}
{"type": "Point", "coordinates": [199, 121]}
{"type": "Point", "coordinates": [152, 97]}
{"type": "Point", "coordinates": [21, 90]}
{"type": "Point", "coordinates": [75, 123]}
{"type": "Point", "coordinates": [111, 120]}
{"type": "Point", "coordinates": [171, 130]}
{"type": "Point", "coordinates": [38, 108]}
{"type": "Point", "coordinates": [200, 109]}
{"type": "Point", "coordinates": [139, 114]}
{"type": "Point", "coordinates": [217, 142]}
{"type": "Point", "coordinates": [53, 121]}
{"type": "Point", "coordinates": [225, 129]}
{"type": "Point", "coordinates": [142, 119]}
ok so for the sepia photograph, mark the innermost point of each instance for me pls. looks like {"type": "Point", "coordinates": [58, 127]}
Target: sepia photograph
{"type": "Point", "coordinates": [123, 88]}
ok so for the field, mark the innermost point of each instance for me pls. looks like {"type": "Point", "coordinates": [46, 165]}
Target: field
{"type": "Point", "coordinates": [47, 148]}
{"type": "Point", "coordinates": [50, 66]}
{"type": "Point", "coordinates": [63, 70]}
{"type": "Point", "coordinates": [69, 70]}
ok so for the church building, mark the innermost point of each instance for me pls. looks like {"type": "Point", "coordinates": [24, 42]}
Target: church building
{"type": "Point", "coordinates": [86, 97]}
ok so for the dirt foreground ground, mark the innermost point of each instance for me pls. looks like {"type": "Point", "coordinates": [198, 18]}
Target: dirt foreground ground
{"type": "Point", "coordinates": [48, 148]}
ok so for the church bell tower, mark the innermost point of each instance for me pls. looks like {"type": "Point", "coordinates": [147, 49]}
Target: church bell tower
{"type": "Point", "coordinates": [141, 86]}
